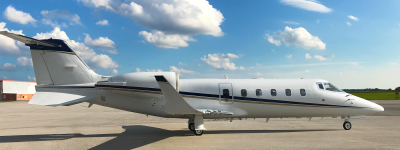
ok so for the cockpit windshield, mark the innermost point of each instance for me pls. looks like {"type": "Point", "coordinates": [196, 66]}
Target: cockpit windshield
{"type": "Point", "coordinates": [330, 87]}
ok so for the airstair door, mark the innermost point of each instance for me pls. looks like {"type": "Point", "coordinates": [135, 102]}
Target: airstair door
{"type": "Point", "coordinates": [225, 93]}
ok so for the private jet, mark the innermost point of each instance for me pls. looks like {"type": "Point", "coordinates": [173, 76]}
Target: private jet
{"type": "Point", "coordinates": [64, 79]}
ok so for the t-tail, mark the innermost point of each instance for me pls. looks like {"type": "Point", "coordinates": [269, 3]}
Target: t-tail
{"type": "Point", "coordinates": [55, 63]}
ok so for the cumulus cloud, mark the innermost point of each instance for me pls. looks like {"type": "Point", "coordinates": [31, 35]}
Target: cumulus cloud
{"type": "Point", "coordinates": [319, 57]}
{"type": "Point", "coordinates": [171, 22]}
{"type": "Point", "coordinates": [18, 16]}
{"type": "Point", "coordinates": [102, 43]}
{"type": "Point", "coordinates": [300, 37]}
{"type": "Point", "coordinates": [115, 71]}
{"type": "Point", "coordinates": [307, 71]}
{"type": "Point", "coordinates": [221, 61]}
{"type": "Point", "coordinates": [348, 23]}
{"type": "Point", "coordinates": [181, 71]}
{"type": "Point", "coordinates": [49, 16]}
{"type": "Point", "coordinates": [8, 67]}
{"type": "Point", "coordinates": [310, 5]}
{"type": "Point", "coordinates": [24, 61]}
{"type": "Point", "coordinates": [288, 56]}
{"type": "Point", "coordinates": [353, 18]}
{"type": "Point", "coordinates": [102, 22]}
{"type": "Point", "coordinates": [10, 47]}
{"type": "Point", "coordinates": [31, 78]}
{"type": "Point", "coordinates": [272, 40]}
{"type": "Point", "coordinates": [316, 57]}
{"type": "Point", "coordinates": [98, 3]}
{"type": "Point", "coordinates": [161, 40]}
{"type": "Point", "coordinates": [87, 54]}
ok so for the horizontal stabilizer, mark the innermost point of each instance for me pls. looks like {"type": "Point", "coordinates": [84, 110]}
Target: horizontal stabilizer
{"type": "Point", "coordinates": [174, 103]}
{"type": "Point", "coordinates": [57, 99]}
{"type": "Point", "coordinates": [27, 40]}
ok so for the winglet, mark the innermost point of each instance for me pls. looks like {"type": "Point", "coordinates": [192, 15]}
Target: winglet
{"type": "Point", "coordinates": [174, 102]}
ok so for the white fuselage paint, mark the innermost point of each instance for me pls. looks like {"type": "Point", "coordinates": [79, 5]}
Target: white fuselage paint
{"type": "Point", "coordinates": [205, 93]}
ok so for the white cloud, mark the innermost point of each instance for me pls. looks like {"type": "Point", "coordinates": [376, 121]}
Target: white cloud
{"type": "Point", "coordinates": [31, 78]}
{"type": "Point", "coordinates": [182, 64]}
{"type": "Point", "coordinates": [393, 63]}
{"type": "Point", "coordinates": [272, 40]}
{"type": "Point", "coordinates": [308, 56]}
{"type": "Point", "coordinates": [290, 22]}
{"type": "Point", "coordinates": [115, 71]}
{"type": "Point", "coordinates": [348, 23]}
{"type": "Point", "coordinates": [172, 22]}
{"type": "Point", "coordinates": [307, 71]}
{"type": "Point", "coordinates": [102, 43]}
{"type": "Point", "coordinates": [288, 56]}
{"type": "Point", "coordinates": [73, 19]}
{"type": "Point", "coordinates": [181, 71]}
{"type": "Point", "coordinates": [300, 37]}
{"type": "Point", "coordinates": [98, 3]}
{"type": "Point", "coordinates": [18, 16]}
{"type": "Point", "coordinates": [87, 54]}
{"type": "Point", "coordinates": [8, 67]}
{"type": "Point", "coordinates": [272, 50]}
{"type": "Point", "coordinates": [10, 47]}
{"type": "Point", "coordinates": [310, 5]}
{"type": "Point", "coordinates": [255, 74]}
{"type": "Point", "coordinates": [221, 61]}
{"type": "Point", "coordinates": [24, 61]}
{"type": "Point", "coordinates": [149, 70]}
{"type": "Point", "coordinates": [353, 18]}
{"type": "Point", "coordinates": [161, 40]}
{"type": "Point", "coordinates": [3, 78]}
{"type": "Point", "coordinates": [102, 22]}
{"type": "Point", "coordinates": [354, 63]}
{"type": "Point", "coordinates": [319, 57]}
{"type": "Point", "coordinates": [317, 21]}
{"type": "Point", "coordinates": [54, 23]}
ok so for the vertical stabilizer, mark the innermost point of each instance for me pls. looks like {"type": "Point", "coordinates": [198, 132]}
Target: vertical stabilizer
{"type": "Point", "coordinates": [55, 63]}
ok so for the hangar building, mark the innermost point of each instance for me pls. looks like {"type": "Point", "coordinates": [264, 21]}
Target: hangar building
{"type": "Point", "coordinates": [16, 90]}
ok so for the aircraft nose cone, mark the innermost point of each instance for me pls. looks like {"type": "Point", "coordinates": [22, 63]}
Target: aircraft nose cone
{"type": "Point", "coordinates": [378, 108]}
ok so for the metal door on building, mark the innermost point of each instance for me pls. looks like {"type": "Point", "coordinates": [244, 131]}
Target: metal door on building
{"type": "Point", "coordinates": [225, 93]}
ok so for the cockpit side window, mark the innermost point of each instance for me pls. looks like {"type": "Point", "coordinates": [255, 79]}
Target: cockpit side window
{"type": "Point", "coordinates": [320, 86]}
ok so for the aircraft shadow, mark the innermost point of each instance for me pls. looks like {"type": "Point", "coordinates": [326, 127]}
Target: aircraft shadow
{"type": "Point", "coordinates": [133, 137]}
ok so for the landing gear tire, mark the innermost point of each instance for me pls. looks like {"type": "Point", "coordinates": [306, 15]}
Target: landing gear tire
{"type": "Point", "coordinates": [347, 125]}
{"type": "Point", "coordinates": [198, 132]}
{"type": "Point", "coordinates": [191, 126]}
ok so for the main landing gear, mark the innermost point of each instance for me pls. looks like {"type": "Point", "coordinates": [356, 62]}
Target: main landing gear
{"type": "Point", "coordinates": [192, 125]}
{"type": "Point", "coordinates": [347, 125]}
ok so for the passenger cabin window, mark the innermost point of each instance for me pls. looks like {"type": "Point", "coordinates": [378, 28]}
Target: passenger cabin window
{"type": "Point", "coordinates": [225, 93]}
{"type": "Point", "coordinates": [244, 92]}
{"type": "Point", "coordinates": [320, 86]}
{"type": "Point", "coordinates": [302, 92]}
{"type": "Point", "coordinates": [273, 92]}
{"type": "Point", "coordinates": [258, 93]}
{"type": "Point", "coordinates": [288, 92]}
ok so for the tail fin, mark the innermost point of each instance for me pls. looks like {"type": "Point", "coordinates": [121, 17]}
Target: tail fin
{"type": "Point", "coordinates": [55, 63]}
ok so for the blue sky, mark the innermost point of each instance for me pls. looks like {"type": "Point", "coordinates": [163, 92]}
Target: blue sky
{"type": "Point", "coordinates": [353, 44]}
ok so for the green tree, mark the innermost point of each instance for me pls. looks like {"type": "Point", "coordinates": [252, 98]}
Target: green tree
{"type": "Point", "coordinates": [390, 89]}
{"type": "Point", "coordinates": [397, 89]}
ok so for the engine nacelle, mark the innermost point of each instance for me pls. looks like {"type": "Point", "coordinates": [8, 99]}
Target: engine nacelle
{"type": "Point", "coordinates": [144, 79]}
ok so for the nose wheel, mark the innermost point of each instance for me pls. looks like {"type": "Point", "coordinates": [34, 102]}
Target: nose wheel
{"type": "Point", "coordinates": [347, 125]}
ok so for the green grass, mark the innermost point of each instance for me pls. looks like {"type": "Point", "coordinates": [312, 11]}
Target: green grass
{"type": "Point", "coordinates": [376, 95]}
